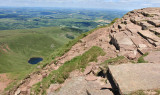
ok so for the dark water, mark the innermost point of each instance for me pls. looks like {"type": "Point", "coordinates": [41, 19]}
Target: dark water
{"type": "Point", "coordinates": [35, 60]}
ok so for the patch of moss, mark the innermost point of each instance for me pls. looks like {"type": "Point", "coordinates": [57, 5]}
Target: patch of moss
{"type": "Point", "coordinates": [140, 92]}
{"type": "Point", "coordinates": [158, 92]}
{"type": "Point", "coordinates": [149, 15]}
{"type": "Point", "coordinates": [141, 59]}
{"type": "Point", "coordinates": [113, 60]}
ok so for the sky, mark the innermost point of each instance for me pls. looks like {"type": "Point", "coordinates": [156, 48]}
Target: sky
{"type": "Point", "coordinates": [98, 4]}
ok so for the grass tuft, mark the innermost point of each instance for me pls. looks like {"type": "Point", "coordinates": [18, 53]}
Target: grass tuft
{"type": "Point", "coordinates": [112, 60]}
{"type": "Point", "coordinates": [141, 59]}
{"type": "Point", "coordinates": [140, 92]}
{"type": "Point", "coordinates": [158, 92]}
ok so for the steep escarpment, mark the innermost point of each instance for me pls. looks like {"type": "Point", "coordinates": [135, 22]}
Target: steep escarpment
{"type": "Point", "coordinates": [98, 63]}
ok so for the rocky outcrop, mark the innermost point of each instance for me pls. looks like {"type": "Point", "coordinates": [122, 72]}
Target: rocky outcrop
{"type": "Point", "coordinates": [137, 32]}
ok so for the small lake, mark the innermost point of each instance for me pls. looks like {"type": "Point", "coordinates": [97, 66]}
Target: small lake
{"type": "Point", "coordinates": [35, 60]}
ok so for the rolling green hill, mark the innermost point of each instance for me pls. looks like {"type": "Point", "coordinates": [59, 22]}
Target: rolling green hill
{"type": "Point", "coordinates": [17, 46]}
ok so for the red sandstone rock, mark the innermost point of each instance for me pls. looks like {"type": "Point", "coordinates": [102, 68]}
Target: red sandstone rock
{"type": "Point", "coordinates": [88, 70]}
{"type": "Point", "coordinates": [91, 78]}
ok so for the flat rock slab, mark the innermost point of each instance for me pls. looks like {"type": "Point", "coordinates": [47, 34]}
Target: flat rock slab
{"type": "Point", "coordinates": [122, 38]}
{"type": "Point", "coordinates": [133, 77]}
{"type": "Point", "coordinates": [149, 35]}
{"type": "Point", "coordinates": [79, 86]}
{"type": "Point", "coordinates": [153, 57]}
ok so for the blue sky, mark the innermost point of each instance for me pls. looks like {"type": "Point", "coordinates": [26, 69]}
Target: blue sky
{"type": "Point", "coordinates": [105, 4]}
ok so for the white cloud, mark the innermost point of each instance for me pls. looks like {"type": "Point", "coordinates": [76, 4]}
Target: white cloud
{"type": "Point", "coordinates": [109, 4]}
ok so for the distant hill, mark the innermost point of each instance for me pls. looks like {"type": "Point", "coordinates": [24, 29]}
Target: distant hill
{"type": "Point", "coordinates": [25, 18]}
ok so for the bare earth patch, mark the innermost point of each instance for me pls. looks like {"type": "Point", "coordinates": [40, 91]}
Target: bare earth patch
{"type": "Point", "coordinates": [4, 82]}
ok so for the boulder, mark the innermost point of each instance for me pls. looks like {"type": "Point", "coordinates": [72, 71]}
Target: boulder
{"type": "Point", "coordinates": [133, 77]}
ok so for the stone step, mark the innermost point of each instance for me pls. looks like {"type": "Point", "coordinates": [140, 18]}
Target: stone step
{"type": "Point", "coordinates": [133, 77]}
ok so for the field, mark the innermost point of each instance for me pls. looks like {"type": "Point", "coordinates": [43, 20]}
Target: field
{"type": "Point", "coordinates": [84, 19]}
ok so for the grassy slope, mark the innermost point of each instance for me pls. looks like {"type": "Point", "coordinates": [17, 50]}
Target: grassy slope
{"type": "Point", "coordinates": [26, 43]}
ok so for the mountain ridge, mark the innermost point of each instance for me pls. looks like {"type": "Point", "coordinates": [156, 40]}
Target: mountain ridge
{"type": "Point", "coordinates": [132, 36]}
